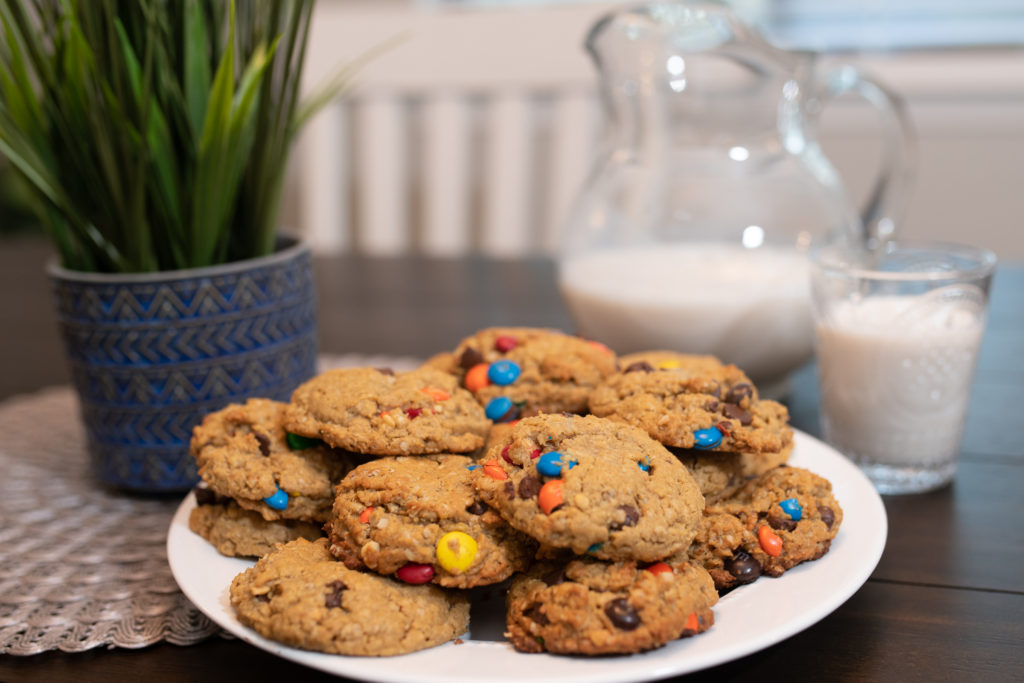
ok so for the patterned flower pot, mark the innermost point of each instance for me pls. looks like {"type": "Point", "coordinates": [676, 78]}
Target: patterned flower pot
{"type": "Point", "coordinates": [151, 354]}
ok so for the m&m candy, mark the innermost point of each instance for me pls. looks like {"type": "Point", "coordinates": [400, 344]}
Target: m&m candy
{"type": "Point", "coordinates": [415, 573]}
{"type": "Point", "coordinates": [704, 439]}
{"type": "Point", "coordinates": [792, 508]}
{"type": "Point", "coordinates": [455, 551]}
{"type": "Point", "coordinates": [551, 464]}
{"type": "Point", "coordinates": [278, 500]}
{"type": "Point", "coordinates": [503, 372]}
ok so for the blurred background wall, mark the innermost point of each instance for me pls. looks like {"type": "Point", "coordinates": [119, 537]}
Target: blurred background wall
{"type": "Point", "coordinates": [473, 128]}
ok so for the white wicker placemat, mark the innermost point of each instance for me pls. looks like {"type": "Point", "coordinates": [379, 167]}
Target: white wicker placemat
{"type": "Point", "coordinates": [82, 566]}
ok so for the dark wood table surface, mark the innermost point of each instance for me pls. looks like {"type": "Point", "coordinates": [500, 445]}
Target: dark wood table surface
{"type": "Point", "coordinates": [946, 602]}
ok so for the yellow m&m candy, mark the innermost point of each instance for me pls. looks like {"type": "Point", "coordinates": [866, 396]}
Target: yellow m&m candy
{"type": "Point", "coordinates": [455, 551]}
{"type": "Point", "coordinates": [670, 364]}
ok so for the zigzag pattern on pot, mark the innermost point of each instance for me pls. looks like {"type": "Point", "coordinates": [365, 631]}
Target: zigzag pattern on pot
{"type": "Point", "coordinates": [256, 374]}
{"type": "Point", "coordinates": [175, 300]}
{"type": "Point", "coordinates": [190, 342]}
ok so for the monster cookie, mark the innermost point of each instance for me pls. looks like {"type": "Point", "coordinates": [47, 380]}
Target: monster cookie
{"type": "Point", "coordinates": [592, 486]}
{"type": "Point", "coordinates": [519, 371]}
{"type": "Point", "coordinates": [692, 402]}
{"type": "Point", "coordinates": [591, 607]}
{"type": "Point", "coordinates": [420, 519]}
{"type": "Point", "coordinates": [380, 412]}
{"type": "Point", "coordinates": [237, 532]}
{"type": "Point", "coordinates": [784, 517]}
{"type": "Point", "coordinates": [301, 596]}
{"type": "Point", "coordinates": [243, 452]}
{"type": "Point", "coordinates": [720, 475]}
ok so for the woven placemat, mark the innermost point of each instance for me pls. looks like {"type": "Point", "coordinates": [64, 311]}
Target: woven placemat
{"type": "Point", "coordinates": [82, 566]}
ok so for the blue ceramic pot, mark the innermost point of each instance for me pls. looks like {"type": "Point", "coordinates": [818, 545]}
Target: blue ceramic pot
{"type": "Point", "coordinates": [153, 353]}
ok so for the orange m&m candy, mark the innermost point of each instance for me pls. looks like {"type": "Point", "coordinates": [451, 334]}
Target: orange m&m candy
{"type": "Point", "coordinates": [494, 470]}
{"type": "Point", "coordinates": [692, 623]}
{"type": "Point", "coordinates": [476, 377]}
{"type": "Point", "coordinates": [551, 495]}
{"type": "Point", "coordinates": [364, 516]}
{"type": "Point", "coordinates": [660, 568]}
{"type": "Point", "coordinates": [769, 541]}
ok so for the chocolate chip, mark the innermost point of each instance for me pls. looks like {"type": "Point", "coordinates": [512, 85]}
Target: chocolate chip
{"type": "Point", "coordinates": [716, 390]}
{"type": "Point", "coordinates": [827, 515]}
{"type": "Point", "coordinates": [555, 576]}
{"type": "Point", "coordinates": [632, 516]}
{"type": "Point", "coordinates": [476, 508]}
{"type": "Point", "coordinates": [534, 614]}
{"type": "Point", "coordinates": [622, 614]}
{"type": "Point", "coordinates": [470, 357]}
{"type": "Point", "coordinates": [738, 392]}
{"type": "Point", "coordinates": [734, 412]}
{"type": "Point", "coordinates": [781, 523]}
{"type": "Point", "coordinates": [711, 406]}
{"type": "Point", "coordinates": [639, 366]}
{"type": "Point", "coordinates": [207, 496]}
{"type": "Point", "coordinates": [510, 488]}
{"type": "Point", "coordinates": [529, 487]}
{"type": "Point", "coordinates": [333, 599]}
{"type": "Point", "coordinates": [385, 371]}
{"type": "Point", "coordinates": [264, 441]}
{"type": "Point", "coordinates": [744, 567]}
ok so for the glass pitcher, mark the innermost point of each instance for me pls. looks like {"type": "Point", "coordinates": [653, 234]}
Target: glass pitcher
{"type": "Point", "coordinates": [692, 230]}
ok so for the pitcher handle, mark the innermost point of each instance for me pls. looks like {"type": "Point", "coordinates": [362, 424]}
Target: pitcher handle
{"type": "Point", "coordinates": [887, 200]}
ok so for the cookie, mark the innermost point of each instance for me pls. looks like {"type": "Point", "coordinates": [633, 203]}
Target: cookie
{"type": "Point", "coordinates": [420, 519]}
{"type": "Point", "coordinates": [720, 475]}
{"type": "Point", "coordinates": [518, 372]}
{"type": "Point", "coordinates": [690, 401]}
{"type": "Point", "coordinates": [243, 452]}
{"type": "Point", "coordinates": [237, 532]}
{"type": "Point", "coordinates": [783, 518]}
{"type": "Point", "coordinates": [590, 607]}
{"type": "Point", "coordinates": [380, 412]}
{"type": "Point", "coordinates": [299, 595]}
{"type": "Point", "coordinates": [593, 486]}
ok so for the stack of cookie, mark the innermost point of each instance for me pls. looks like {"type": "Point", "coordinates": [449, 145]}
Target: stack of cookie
{"type": "Point", "coordinates": [261, 485]}
{"type": "Point", "coordinates": [761, 517]}
{"type": "Point", "coordinates": [616, 493]}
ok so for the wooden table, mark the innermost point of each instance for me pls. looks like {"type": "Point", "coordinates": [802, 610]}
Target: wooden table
{"type": "Point", "coordinates": [945, 603]}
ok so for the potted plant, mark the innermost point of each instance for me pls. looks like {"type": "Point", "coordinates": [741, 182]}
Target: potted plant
{"type": "Point", "coordinates": [154, 136]}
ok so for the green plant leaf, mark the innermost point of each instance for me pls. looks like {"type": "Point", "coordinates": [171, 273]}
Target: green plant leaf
{"type": "Point", "coordinates": [196, 63]}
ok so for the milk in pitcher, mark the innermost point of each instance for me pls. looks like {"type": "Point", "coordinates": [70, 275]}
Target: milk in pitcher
{"type": "Point", "coordinates": [747, 306]}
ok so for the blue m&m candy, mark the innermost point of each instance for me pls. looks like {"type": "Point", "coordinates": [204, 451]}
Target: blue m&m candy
{"type": "Point", "coordinates": [792, 508]}
{"type": "Point", "coordinates": [278, 501]}
{"type": "Point", "coordinates": [704, 439]}
{"type": "Point", "coordinates": [550, 464]}
{"type": "Point", "coordinates": [503, 372]}
{"type": "Point", "coordinates": [500, 407]}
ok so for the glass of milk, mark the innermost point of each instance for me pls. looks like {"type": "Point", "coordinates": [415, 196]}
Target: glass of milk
{"type": "Point", "coordinates": [897, 333]}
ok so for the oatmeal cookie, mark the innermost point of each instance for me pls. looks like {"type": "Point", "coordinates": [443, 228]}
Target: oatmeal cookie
{"type": "Point", "coordinates": [591, 607]}
{"type": "Point", "coordinates": [593, 486]}
{"type": "Point", "coordinates": [243, 452]}
{"type": "Point", "coordinates": [690, 401]}
{"type": "Point", "coordinates": [237, 532]}
{"type": "Point", "coordinates": [420, 517]}
{"type": "Point", "coordinates": [299, 595]}
{"type": "Point", "coordinates": [521, 371]}
{"type": "Point", "coordinates": [380, 412]}
{"type": "Point", "coordinates": [784, 517]}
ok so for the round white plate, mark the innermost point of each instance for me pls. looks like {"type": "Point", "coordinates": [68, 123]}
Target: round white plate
{"type": "Point", "coordinates": [746, 620]}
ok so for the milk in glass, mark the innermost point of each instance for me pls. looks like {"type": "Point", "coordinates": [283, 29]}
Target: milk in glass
{"type": "Point", "coordinates": [895, 374]}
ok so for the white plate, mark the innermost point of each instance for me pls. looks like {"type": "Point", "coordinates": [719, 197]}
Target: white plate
{"type": "Point", "coordinates": [746, 620]}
